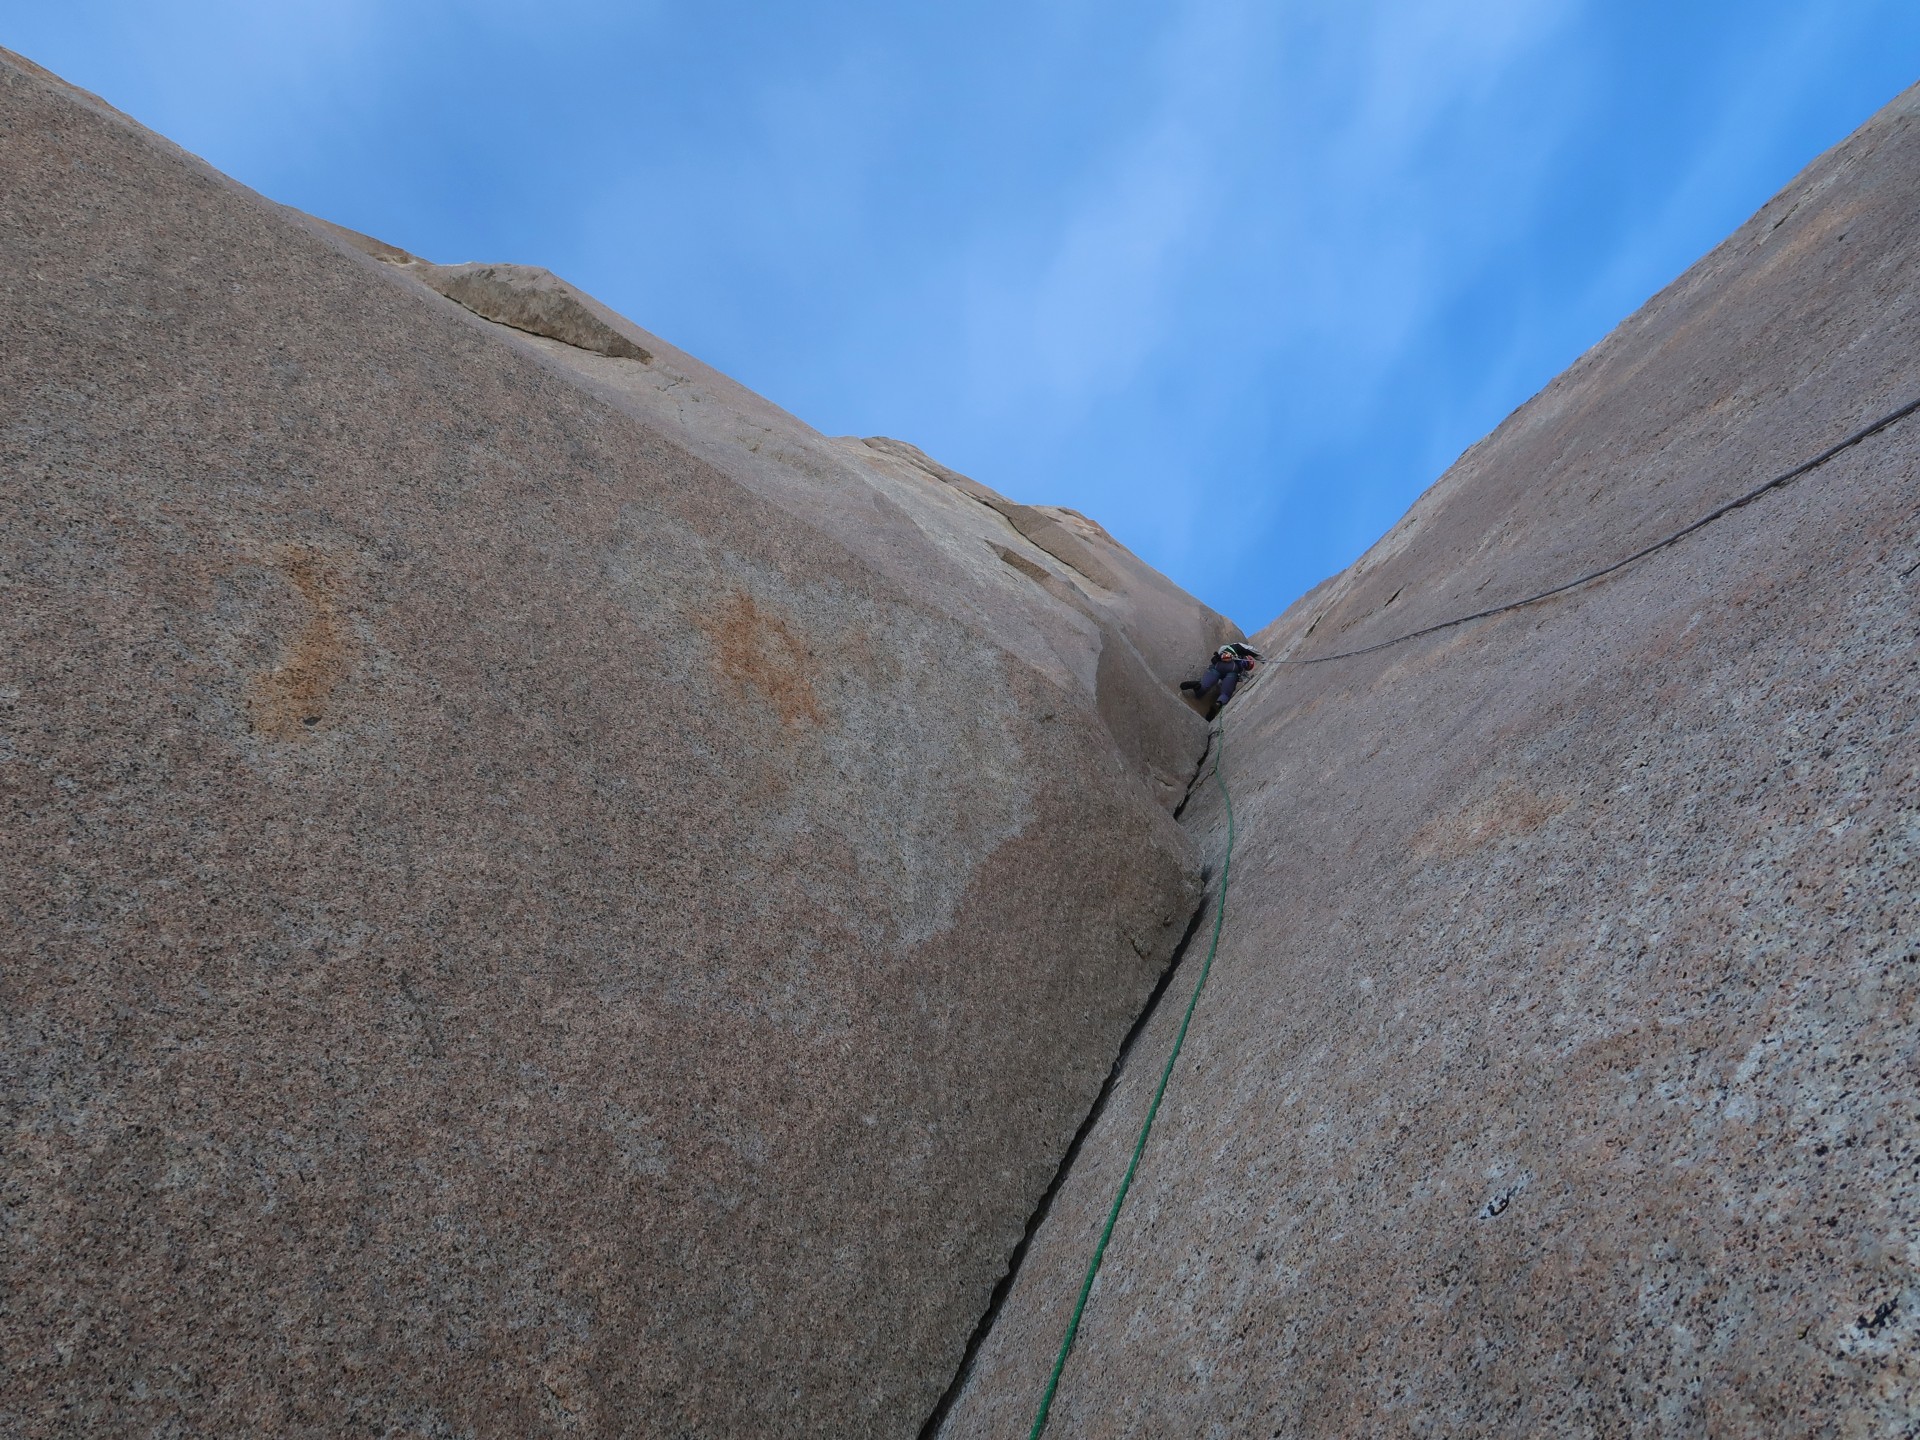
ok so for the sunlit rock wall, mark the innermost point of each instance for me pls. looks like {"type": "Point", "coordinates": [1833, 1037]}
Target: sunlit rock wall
{"type": "Point", "coordinates": [1559, 1071]}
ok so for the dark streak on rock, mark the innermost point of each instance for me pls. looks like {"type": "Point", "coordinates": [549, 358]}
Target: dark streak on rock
{"type": "Point", "coordinates": [1004, 1287]}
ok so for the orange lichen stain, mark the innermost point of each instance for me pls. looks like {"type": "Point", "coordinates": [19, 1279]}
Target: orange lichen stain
{"type": "Point", "coordinates": [1510, 811]}
{"type": "Point", "coordinates": [290, 700]}
{"type": "Point", "coordinates": [758, 647]}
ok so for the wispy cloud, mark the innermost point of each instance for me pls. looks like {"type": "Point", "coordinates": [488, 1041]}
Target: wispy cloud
{"type": "Point", "coordinates": [1239, 277]}
{"type": "Point", "coordinates": [1722, 168]}
{"type": "Point", "coordinates": [1286, 221]}
{"type": "Point", "coordinates": [234, 79]}
{"type": "Point", "coordinates": [1072, 314]}
{"type": "Point", "coordinates": [1409, 150]}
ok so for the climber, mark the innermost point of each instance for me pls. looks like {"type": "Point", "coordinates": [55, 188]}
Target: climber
{"type": "Point", "coordinates": [1229, 663]}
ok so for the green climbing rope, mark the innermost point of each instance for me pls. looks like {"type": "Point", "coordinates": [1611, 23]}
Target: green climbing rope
{"type": "Point", "coordinates": [1126, 1181]}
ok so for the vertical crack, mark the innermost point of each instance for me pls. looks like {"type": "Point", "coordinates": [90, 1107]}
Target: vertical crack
{"type": "Point", "coordinates": [1194, 784]}
{"type": "Point", "coordinates": [1004, 1287]}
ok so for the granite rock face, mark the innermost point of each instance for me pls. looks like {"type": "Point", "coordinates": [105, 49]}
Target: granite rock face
{"type": "Point", "coordinates": [540, 894]}
{"type": "Point", "coordinates": [1122, 629]}
{"type": "Point", "coordinates": [1559, 1073]}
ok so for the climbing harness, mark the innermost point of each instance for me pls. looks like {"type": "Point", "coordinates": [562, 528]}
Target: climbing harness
{"type": "Point", "coordinates": [1126, 1181]}
{"type": "Point", "coordinates": [1705, 520]}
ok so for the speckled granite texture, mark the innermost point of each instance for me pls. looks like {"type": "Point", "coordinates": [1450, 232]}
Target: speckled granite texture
{"type": "Point", "coordinates": [1559, 1071]}
{"type": "Point", "coordinates": [537, 894]}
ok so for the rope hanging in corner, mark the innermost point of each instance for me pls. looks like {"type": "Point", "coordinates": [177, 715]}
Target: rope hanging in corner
{"type": "Point", "coordinates": [1126, 1182]}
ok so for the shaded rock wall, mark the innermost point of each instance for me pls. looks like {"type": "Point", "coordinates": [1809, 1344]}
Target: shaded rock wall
{"type": "Point", "coordinates": [540, 894]}
{"type": "Point", "coordinates": [1560, 1070]}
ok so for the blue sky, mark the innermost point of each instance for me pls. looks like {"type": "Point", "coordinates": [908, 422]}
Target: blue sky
{"type": "Point", "coordinates": [1237, 279]}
